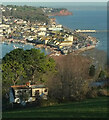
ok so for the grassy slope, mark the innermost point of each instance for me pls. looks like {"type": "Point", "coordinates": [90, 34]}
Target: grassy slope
{"type": "Point", "coordinates": [91, 108]}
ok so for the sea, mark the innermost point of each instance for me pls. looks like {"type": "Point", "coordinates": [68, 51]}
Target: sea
{"type": "Point", "coordinates": [92, 16]}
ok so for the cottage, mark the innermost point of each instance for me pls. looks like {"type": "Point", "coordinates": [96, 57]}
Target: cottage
{"type": "Point", "coordinates": [27, 93]}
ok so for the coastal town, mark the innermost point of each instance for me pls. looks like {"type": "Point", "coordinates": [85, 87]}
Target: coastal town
{"type": "Point", "coordinates": [50, 63]}
{"type": "Point", "coordinates": [56, 37]}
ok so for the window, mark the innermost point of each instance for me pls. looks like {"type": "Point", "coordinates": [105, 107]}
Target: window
{"type": "Point", "coordinates": [36, 92]}
{"type": "Point", "coordinates": [45, 90]}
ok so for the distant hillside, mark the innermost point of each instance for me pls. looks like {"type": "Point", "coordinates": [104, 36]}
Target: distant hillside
{"type": "Point", "coordinates": [26, 13]}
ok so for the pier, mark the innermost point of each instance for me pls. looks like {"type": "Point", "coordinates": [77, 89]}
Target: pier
{"type": "Point", "coordinates": [90, 31]}
{"type": "Point", "coordinates": [102, 30]}
{"type": "Point", "coordinates": [85, 31]}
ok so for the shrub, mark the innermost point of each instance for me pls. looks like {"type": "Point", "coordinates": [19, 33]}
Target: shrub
{"type": "Point", "coordinates": [92, 70]}
{"type": "Point", "coordinates": [103, 92]}
{"type": "Point", "coordinates": [92, 93]}
{"type": "Point", "coordinates": [48, 102]}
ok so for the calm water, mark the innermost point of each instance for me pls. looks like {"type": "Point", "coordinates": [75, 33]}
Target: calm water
{"type": "Point", "coordinates": [4, 48]}
{"type": "Point", "coordinates": [85, 16]}
{"type": "Point", "coordinates": [91, 19]}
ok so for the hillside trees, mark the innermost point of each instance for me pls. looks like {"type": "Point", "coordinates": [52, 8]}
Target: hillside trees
{"type": "Point", "coordinates": [26, 13]}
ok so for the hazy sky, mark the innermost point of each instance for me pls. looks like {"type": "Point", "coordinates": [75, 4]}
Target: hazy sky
{"type": "Point", "coordinates": [53, 0]}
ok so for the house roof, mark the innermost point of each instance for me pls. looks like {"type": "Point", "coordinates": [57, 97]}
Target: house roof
{"type": "Point", "coordinates": [26, 87]}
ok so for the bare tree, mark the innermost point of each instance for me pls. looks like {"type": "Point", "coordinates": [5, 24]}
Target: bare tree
{"type": "Point", "coordinates": [72, 79]}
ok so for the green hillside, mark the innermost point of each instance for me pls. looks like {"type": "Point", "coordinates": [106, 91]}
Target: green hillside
{"type": "Point", "coordinates": [26, 13]}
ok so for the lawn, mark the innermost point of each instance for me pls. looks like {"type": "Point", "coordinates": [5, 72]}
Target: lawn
{"type": "Point", "coordinates": [90, 108]}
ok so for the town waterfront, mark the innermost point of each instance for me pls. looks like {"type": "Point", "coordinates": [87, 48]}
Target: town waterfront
{"type": "Point", "coordinates": [91, 19]}
{"type": "Point", "coordinates": [84, 17]}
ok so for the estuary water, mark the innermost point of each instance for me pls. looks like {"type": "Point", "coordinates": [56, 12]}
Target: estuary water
{"type": "Point", "coordinates": [6, 48]}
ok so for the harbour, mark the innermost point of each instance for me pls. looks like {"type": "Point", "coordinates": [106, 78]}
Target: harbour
{"type": "Point", "coordinates": [87, 28]}
{"type": "Point", "coordinates": [7, 47]}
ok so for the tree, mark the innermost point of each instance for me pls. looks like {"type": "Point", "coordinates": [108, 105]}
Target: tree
{"type": "Point", "coordinates": [102, 74]}
{"type": "Point", "coordinates": [92, 70]}
{"type": "Point", "coordinates": [20, 66]}
{"type": "Point", "coordinates": [37, 64]}
{"type": "Point", "coordinates": [72, 80]}
{"type": "Point", "coordinates": [13, 73]}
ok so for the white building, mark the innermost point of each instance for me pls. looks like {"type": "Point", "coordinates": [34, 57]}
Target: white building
{"type": "Point", "coordinates": [59, 26]}
{"type": "Point", "coordinates": [42, 29]}
{"type": "Point", "coordinates": [66, 43]}
{"type": "Point", "coordinates": [33, 92]}
{"type": "Point", "coordinates": [55, 29]}
{"type": "Point", "coordinates": [2, 26]}
{"type": "Point", "coordinates": [45, 42]}
{"type": "Point", "coordinates": [41, 33]}
{"type": "Point", "coordinates": [69, 38]}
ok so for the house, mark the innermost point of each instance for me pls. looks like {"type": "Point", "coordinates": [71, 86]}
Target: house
{"type": "Point", "coordinates": [41, 33]}
{"type": "Point", "coordinates": [55, 29]}
{"type": "Point", "coordinates": [66, 43]}
{"type": "Point", "coordinates": [32, 92]}
{"type": "Point", "coordinates": [42, 28]}
{"type": "Point", "coordinates": [59, 26]}
{"type": "Point", "coordinates": [45, 41]}
{"type": "Point", "coordinates": [32, 28]}
{"type": "Point", "coordinates": [3, 26]}
{"type": "Point", "coordinates": [69, 38]}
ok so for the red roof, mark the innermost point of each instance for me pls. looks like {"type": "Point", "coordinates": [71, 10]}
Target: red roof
{"type": "Point", "coordinates": [23, 86]}
{"type": "Point", "coordinates": [18, 86]}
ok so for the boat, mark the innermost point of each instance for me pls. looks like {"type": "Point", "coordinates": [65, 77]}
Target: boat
{"type": "Point", "coordinates": [15, 47]}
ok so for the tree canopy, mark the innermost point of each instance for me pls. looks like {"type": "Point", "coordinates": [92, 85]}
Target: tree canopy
{"type": "Point", "coordinates": [20, 66]}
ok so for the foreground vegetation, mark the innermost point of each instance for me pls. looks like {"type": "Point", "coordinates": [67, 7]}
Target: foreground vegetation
{"type": "Point", "coordinates": [67, 77]}
{"type": "Point", "coordinates": [90, 108]}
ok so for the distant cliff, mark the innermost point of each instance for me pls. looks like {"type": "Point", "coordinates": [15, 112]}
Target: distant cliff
{"type": "Point", "coordinates": [62, 13]}
{"type": "Point", "coordinates": [56, 11]}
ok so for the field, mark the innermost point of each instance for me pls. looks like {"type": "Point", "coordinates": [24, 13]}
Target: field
{"type": "Point", "coordinates": [90, 108]}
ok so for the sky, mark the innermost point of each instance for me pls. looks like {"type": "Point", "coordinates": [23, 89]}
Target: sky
{"type": "Point", "coordinates": [53, 1]}
{"type": "Point", "coordinates": [56, 2]}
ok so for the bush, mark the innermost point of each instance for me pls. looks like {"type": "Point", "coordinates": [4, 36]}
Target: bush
{"type": "Point", "coordinates": [92, 93]}
{"type": "Point", "coordinates": [48, 102]}
{"type": "Point", "coordinates": [92, 70]}
{"type": "Point", "coordinates": [103, 92]}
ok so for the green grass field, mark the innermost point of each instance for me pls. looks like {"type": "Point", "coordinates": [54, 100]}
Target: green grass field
{"type": "Point", "coordinates": [90, 108]}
